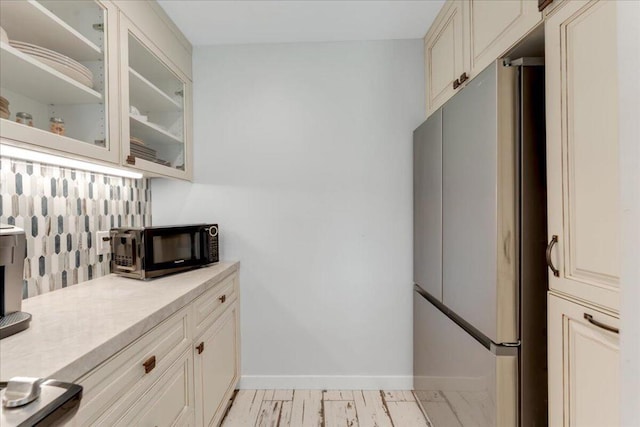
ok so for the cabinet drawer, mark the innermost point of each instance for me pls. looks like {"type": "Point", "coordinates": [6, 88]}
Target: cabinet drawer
{"type": "Point", "coordinates": [169, 401]}
{"type": "Point", "coordinates": [212, 303]}
{"type": "Point", "coordinates": [116, 384]}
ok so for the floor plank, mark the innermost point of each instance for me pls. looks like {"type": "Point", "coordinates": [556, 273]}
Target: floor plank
{"type": "Point", "coordinates": [283, 395]}
{"type": "Point", "coordinates": [398, 396]}
{"type": "Point", "coordinates": [340, 413]}
{"type": "Point", "coordinates": [278, 395]}
{"type": "Point", "coordinates": [370, 409]}
{"type": "Point", "coordinates": [307, 408]}
{"type": "Point", "coordinates": [268, 395]}
{"type": "Point", "coordinates": [244, 409]}
{"type": "Point", "coordinates": [408, 414]}
{"type": "Point", "coordinates": [429, 396]}
{"type": "Point", "coordinates": [269, 415]}
{"type": "Point", "coordinates": [285, 414]}
{"type": "Point", "coordinates": [337, 395]}
{"type": "Point", "coordinates": [348, 408]}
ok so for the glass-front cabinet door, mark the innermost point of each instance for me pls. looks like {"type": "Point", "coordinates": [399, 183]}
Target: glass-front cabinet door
{"type": "Point", "coordinates": [155, 99]}
{"type": "Point", "coordinates": [58, 74]}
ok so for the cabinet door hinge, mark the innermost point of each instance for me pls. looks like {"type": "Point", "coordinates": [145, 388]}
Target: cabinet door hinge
{"type": "Point", "coordinates": [98, 27]}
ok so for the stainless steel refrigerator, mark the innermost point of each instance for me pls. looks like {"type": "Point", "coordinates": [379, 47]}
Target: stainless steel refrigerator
{"type": "Point", "coordinates": [479, 252]}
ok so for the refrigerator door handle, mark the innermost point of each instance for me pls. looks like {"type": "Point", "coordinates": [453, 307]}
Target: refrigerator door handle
{"type": "Point", "coordinates": [505, 349]}
{"type": "Point", "coordinates": [501, 349]}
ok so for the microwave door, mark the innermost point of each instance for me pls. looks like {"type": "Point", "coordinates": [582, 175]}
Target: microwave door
{"type": "Point", "coordinates": [173, 248]}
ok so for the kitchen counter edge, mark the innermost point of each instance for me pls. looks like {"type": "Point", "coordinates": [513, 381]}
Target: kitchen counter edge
{"type": "Point", "coordinates": [77, 328]}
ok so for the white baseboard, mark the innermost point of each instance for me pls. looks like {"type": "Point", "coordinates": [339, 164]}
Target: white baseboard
{"type": "Point", "coordinates": [325, 382]}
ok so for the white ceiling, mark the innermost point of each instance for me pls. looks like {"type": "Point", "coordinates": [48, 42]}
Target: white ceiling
{"type": "Point", "coordinates": [207, 22]}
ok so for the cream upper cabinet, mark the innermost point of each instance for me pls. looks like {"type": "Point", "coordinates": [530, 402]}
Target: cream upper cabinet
{"type": "Point", "coordinates": [156, 24]}
{"type": "Point", "coordinates": [584, 377]}
{"type": "Point", "coordinates": [444, 55]}
{"type": "Point", "coordinates": [155, 107]}
{"type": "Point", "coordinates": [467, 36]}
{"type": "Point", "coordinates": [61, 62]}
{"type": "Point", "coordinates": [495, 26]}
{"type": "Point", "coordinates": [582, 151]}
{"type": "Point", "coordinates": [86, 64]}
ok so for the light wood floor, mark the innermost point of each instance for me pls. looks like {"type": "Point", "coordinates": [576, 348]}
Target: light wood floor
{"type": "Point", "coordinates": [329, 408]}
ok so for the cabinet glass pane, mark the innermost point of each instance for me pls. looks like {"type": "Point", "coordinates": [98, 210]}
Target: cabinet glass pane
{"type": "Point", "coordinates": [53, 66]}
{"type": "Point", "coordinates": [156, 108]}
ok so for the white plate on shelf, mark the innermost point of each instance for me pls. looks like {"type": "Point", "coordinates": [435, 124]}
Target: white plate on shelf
{"type": "Point", "coordinates": [76, 66]}
{"type": "Point", "coordinates": [35, 50]}
{"type": "Point", "coordinates": [140, 117]}
{"type": "Point", "coordinates": [84, 71]}
{"type": "Point", "coordinates": [66, 70]}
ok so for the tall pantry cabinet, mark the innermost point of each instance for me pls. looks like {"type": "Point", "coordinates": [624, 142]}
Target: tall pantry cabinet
{"type": "Point", "coordinates": [584, 208]}
{"type": "Point", "coordinates": [583, 212]}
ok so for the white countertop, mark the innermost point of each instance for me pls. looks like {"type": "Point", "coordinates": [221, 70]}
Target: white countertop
{"type": "Point", "coordinates": [75, 329]}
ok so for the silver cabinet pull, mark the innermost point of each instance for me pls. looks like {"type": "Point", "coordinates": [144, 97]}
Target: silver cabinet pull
{"type": "Point", "coordinates": [554, 240]}
{"type": "Point", "coordinates": [594, 322]}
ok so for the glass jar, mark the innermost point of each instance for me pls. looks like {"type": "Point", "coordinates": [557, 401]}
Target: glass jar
{"type": "Point", "coordinates": [56, 125]}
{"type": "Point", "coordinates": [24, 118]}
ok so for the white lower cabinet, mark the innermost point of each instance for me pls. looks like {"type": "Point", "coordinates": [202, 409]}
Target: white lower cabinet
{"type": "Point", "coordinates": [169, 402]}
{"type": "Point", "coordinates": [167, 378]}
{"type": "Point", "coordinates": [216, 367]}
{"type": "Point", "coordinates": [117, 384]}
{"type": "Point", "coordinates": [584, 377]}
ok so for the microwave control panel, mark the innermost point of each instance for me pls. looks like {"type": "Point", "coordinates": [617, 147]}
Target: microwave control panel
{"type": "Point", "coordinates": [213, 243]}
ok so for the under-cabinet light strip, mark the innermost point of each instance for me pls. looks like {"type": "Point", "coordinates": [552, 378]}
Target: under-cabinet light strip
{"type": "Point", "coordinates": [36, 156]}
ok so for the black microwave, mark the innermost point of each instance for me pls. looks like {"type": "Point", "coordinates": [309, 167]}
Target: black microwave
{"type": "Point", "coordinates": [147, 252]}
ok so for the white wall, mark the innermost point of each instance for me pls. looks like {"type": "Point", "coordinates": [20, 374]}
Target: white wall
{"type": "Point", "coordinates": [303, 155]}
{"type": "Point", "coordinates": [629, 109]}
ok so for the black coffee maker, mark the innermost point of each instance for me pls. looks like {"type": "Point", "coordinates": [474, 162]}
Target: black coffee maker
{"type": "Point", "coordinates": [13, 245]}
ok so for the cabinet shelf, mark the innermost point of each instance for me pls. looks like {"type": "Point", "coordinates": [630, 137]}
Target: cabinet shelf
{"type": "Point", "coordinates": [145, 96]}
{"type": "Point", "coordinates": [156, 169]}
{"type": "Point", "coordinates": [30, 22]}
{"type": "Point", "coordinates": [19, 132]}
{"type": "Point", "coordinates": [149, 65]}
{"type": "Point", "coordinates": [28, 76]}
{"type": "Point", "coordinates": [150, 132]}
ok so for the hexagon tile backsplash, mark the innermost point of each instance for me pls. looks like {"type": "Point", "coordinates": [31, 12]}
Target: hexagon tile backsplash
{"type": "Point", "coordinates": [60, 211]}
